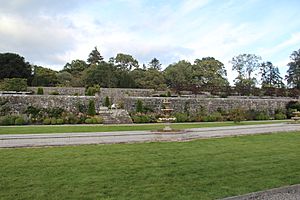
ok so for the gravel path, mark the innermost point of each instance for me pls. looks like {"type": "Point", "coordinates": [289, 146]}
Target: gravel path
{"type": "Point", "coordinates": [59, 139]}
{"type": "Point", "coordinates": [283, 193]}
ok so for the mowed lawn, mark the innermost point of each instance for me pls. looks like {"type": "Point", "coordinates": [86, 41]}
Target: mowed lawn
{"type": "Point", "coordinates": [200, 169]}
{"type": "Point", "coordinates": [108, 128]}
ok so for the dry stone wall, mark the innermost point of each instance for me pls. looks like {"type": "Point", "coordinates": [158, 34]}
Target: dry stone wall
{"type": "Point", "coordinates": [19, 103]}
{"type": "Point", "coordinates": [193, 105]}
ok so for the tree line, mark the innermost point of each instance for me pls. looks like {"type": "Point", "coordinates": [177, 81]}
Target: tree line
{"type": "Point", "coordinates": [124, 71]}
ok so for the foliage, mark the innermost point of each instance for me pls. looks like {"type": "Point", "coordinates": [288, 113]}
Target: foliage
{"type": "Point", "coordinates": [107, 102]}
{"type": "Point", "coordinates": [126, 62]}
{"type": "Point", "coordinates": [89, 121]}
{"type": "Point", "coordinates": [237, 115]}
{"type": "Point", "coordinates": [91, 108]}
{"type": "Point", "coordinates": [262, 115]}
{"type": "Point", "coordinates": [14, 66]}
{"type": "Point", "coordinates": [76, 67]}
{"type": "Point", "coordinates": [40, 91]}
{"type": "Point", "coordinates": [91, 91]}
{"type": "Point", "coordinates": [8, 120]}
{"type": "Point", "coordinates": [4, 107]}
{"type": "Point", "coordinates": [20, 121]}
{"type": "Point", "coordinates": [139, 108]}
{"type": "Point", "coordinates": [13, 84]}
{"type": "Point", "coordinates": [270, 76]}
{"type": "Point", "coordinates": [94, 57]}
{"type": "Point", "coordinates": [155, 64]}
{"type": "Point", "coordinates": [280, 116]}
{"type": "Point", "coordinates": [142, 118]}
{"type": "Point", "coordinates": [44, 77]}
{"type": "Point", "coordinates": [54, 93]}
{"type": "Point", "coordinates": [47, 121]}
{"type": "Point", "coordinates": [181, 117]}
{"type": "Point", "coordinates": [293, 73]}
{"type": "Point", "coordinates": [65, 79]}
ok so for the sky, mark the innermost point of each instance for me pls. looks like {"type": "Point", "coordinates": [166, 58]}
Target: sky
{"type": "Point", "coordinates": [51, 33]}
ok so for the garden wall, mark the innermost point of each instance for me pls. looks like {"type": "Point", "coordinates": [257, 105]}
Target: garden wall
{"type": "Point", "coordinates": [19, 103]}
{"type": "Point", "coordinates": [193, 105]}
{"type": "Point", "coordinates": [115, 94]}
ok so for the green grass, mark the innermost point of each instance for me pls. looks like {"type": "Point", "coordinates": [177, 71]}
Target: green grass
{"type": "Point", "coordinates": [107, 128]}
{"type": "Point", "coordinates": [201, 169]}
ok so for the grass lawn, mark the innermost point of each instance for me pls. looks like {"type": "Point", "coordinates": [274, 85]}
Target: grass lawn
{"type": "Point", "coordinates": [106, 128]}
{"type": "Point", "coordinates": [200, 169]}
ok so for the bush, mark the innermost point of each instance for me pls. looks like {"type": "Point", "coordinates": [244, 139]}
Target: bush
{"type": "Point", "coordinates": [280, 116]}
{"type": "Point", "coordinates": [91, 108]}
{"type": "Point", "coordinates": [181, 117]}
{"type": "Point", "coordinates": [40, 91]}
{"type": "Point", "coordinates": [91, 91]}
{"type": "Point", "coordinates": [20, 121]}
{"type": "Point", "coordinates": [53, 121]}
{"type": "Point", "coordinates": [89, 121]}
{"type": "Point", "coordinates": [237, 115]}
{"type": "Point", "coordinates": [97, 120]}
{"type": "Point", "coordinates": [141, 119]}
{"type": "Point", "coordinates": [107, 102]}
{"type": "Point", "coordinates": [59, 121]}
{"type": "Point", "coordinates": [14, 84]}
{"type": "Point", "coordinates": [262, 116]}
{"type": "Point", "coordinates": [47, 121]}
{"type": "Point", "coordinates": [8, 120]}
{"type": "Point", "coordinates": [139, 106]}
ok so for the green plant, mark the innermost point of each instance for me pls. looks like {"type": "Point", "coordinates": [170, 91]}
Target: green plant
{"type": "Point", "coordinates": [47, 121]}
{"type": "Point", "coordinates": [53, 121]}
{"type": "Point", "coordinates": [33, 111]}
{"type": "Point", "coordinates": [107, 102]}
{"type": "Point", "coordinates": [97, 120]}
{"type": "Point", "coordinates": [280, 116]}
{"type": "Point", "coordinates": [91, 91]}
{"type": "Point", "coordinates": [262, 115]}
{"type": "Point", "coordinates": [139, 106]}
{"type": "Point", "coordinates": [181, 117]}
{"type": "Point", "coordinates": [20, 121]}
{"type": "Point", "coordinates": [14, 84]}
{"type": "Point", "coordinates": [59, 121]}
{"type": "Point", "coordinates": [88, 121]}
{"type": "Point", "coordinates": [40, 91]}
{"type": "Point", "coordinates": [91, 108]}
{"type": "Point", "coordinates": [237, 115]}
{"type": "Point", "coordinates": [8, 120]}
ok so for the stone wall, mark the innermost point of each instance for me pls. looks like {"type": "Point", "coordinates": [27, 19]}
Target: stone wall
{"type": "Point", "coordinates": [193, 105]}
{"type": "Point", "coordinates": [115, 94]}
{"type": "Point", "coordinates": [19, 103]}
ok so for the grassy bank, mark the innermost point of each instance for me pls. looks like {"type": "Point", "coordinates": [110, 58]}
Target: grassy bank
{"type": "Point", "coordinates": [108, 128]}
{"type": "Point", "coordinates": [201, 169]}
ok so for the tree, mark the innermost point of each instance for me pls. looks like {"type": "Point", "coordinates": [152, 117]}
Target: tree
{"type": "Point", "coordinates": [178, 75]}
{"type": "Point", "coordinates": [126, 62]}
{"type": "Point", "coordinates": [270, 76]}
{"type": "Point", "coordinates": [94, 57]}
{"type": "Point", "coordinates": [13, 84]}
{"type": "Point", "coordinates": [75, 67]}
{"type": "Point", "coordinates": [44, 77]}
{"type": "Point", "coordinates": [293, 73]}
{"type": "Point", "coordinates": [103, 74]}
{"type": "Point", "coordinates": [155, 64]}
{"type": "Point", "coordinates": [245, 65]}
{"type": "Point", "coordinates": [91, 108]}
{"type": "Point", "coordinates": [209, 74]}
{"type": "Point", "coordinates": [64, 78]}
{"type": "Point", "coordinates": [14, 66]}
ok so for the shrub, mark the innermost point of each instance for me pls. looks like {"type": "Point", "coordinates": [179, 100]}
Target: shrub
{"type": "Point", "coordinates": [91, 91]}
{"type": "Point", "coordinates": [107, 102]}
{"type": "Point", "coordinates": [20, 121]}
{"type": "Point", "coordinates": [141, 119]}
{"type": "Point", "coordinates": [54, 112]}
{"type": "Point", "coordinates": [280, 116]}
{"type": "Point", "coordinates": [14, 84]}
{"type": "Point", "coordinates": [59, 121]}
{"type": "Point", "coordinates": [181, 117]}
{"type": "Point", "coordinates": [91, 108]}
{"type": "Point", "coordinates": [53, 121]}
{"type": "Point", "coordinates": [97, 120]}
{"type": "Point", "coordinates": [262, 116]}
{"type": "Point", "coordinates": [89, 121]}
{"type": "Point", "coordinates": [40, 91]}
{"type": "Point", "coordinates": [139, 106]}
{"type": "Point", "coordinates": [237, 115]}
{"type": "Point", "coordinates": [8, 120]}
{"type": "Point", "coordinates": [47, 121]}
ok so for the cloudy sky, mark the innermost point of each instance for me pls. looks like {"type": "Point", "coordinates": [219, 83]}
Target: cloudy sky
{"type": "Point", "coordinates": [53, 32]}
